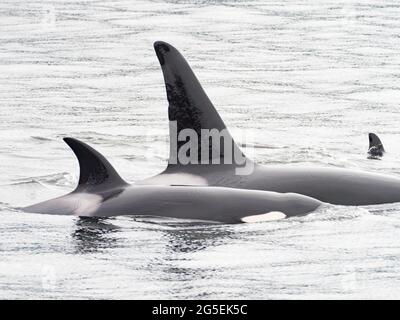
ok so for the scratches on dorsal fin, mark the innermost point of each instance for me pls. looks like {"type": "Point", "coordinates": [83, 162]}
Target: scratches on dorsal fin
{"type": "Point", "coordinates": [189, 107]}
{"type": "Point", "coordinates": [375, 148]}
{"type": "Point", "coordinates": [96, 173]}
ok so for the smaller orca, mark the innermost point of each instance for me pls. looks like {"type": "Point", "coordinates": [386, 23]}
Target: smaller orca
{"type": "Point", "coordinates": [375, 150]}
{"type": "Point", "coordinates": [101, 192]}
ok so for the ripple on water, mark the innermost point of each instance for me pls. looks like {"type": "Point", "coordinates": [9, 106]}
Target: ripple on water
{"type": "Point", "coordinates": [301, 79]}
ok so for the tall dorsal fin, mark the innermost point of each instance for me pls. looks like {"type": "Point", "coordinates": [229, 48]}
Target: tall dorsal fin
{"type": "Point", "coordinates": [189, 106]}
{"type": "Point", "coordinates": [375, 145]}
{"type": "Point", "coordinates": [96, 173]}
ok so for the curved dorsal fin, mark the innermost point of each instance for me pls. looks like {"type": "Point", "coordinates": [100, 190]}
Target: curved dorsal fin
{"type": "Point", "coordinates": [375, 149]}
{"type": "Point", "coordinates": [374, 141]}
{"type": "Point", "coordinates": [189, 106]}
{"type": "Point", "coordinates": [96, 173]}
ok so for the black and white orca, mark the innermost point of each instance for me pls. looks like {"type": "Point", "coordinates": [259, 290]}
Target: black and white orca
{"type": "Point", "coordinates": [101, 192]}
{"type": "Point", "coordinates": [190, 108]}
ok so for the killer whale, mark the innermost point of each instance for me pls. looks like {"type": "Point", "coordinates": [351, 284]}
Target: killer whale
{"type": "Point", "coordinates": [190, 108]}
{"type": "Point", "coordinates": [375, 149]}
{"type": "Point", "coordinates": [101, 192]}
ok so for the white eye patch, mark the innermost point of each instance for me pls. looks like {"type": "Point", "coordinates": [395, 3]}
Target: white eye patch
{"type": "Point", "coordinates": [270, 216]}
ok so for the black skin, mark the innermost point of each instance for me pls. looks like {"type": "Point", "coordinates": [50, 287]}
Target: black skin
{"type": "Point", "coordinates": [376, 149]}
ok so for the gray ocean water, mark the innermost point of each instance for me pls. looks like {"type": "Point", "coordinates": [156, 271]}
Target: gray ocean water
{"type": "Point", "coordinates": [305, 81]}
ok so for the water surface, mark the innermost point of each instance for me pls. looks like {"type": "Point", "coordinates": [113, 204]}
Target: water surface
{"type": "Point", "coordinates": [303, 82]}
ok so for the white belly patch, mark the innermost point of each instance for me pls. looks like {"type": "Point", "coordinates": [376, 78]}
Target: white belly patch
{"type": "Point", "coordinates": [270, 216]}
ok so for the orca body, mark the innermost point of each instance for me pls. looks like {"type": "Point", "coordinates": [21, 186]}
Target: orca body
{"type": "Point", "coordinates": [330, 185]}
{"type": "Point", "coordinates": [101, 192]}
{"type": "Point", "coordinates": [190, 108]}
{"type": "Point", "coordinates": [375, 149]}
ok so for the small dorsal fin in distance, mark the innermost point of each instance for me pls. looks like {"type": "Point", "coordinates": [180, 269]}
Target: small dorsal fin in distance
{"type": "Point", "coordinates": [375, 148]}
{"type": "Point", "coordinates": [96, 173]}
{"type": "Point", "coordinates": [189, 106]}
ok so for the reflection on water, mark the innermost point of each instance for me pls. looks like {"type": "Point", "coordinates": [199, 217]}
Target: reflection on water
{"type": "Point", "coordinates": [181, 242]}
{"type": "Point", "coordinates": [184, 236]}
{"type": "Point", "coordinates": [306, 79]}
{"type": "Point", "coordinates": [92, 234]}
{"type": "Point", "coordinates": [196, 238]}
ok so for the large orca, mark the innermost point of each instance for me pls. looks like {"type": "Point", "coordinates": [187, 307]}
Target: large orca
{"type": "Point", "coordinates": [101, 192]}
{"type": "Point", "coordinates": [375, 149]}
{"type": "Point", "coordinates": [190, 108]}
